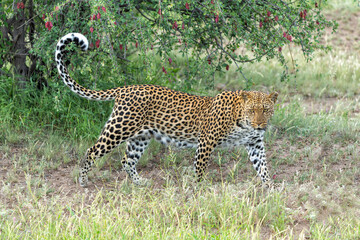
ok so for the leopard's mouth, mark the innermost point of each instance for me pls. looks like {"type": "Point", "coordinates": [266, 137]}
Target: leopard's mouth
{"type": "Point", "coordinates": [261, 126]}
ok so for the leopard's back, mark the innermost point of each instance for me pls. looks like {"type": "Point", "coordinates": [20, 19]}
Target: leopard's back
{"type": "Point", "coordinates": [171, 117]}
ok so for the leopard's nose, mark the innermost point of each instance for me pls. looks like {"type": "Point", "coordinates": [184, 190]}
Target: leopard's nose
{"type": "Point", "coordinates": [260, 126]}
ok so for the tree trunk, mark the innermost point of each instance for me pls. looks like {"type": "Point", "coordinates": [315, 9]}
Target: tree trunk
{"type": "Point", "coordinates": [19, 48]}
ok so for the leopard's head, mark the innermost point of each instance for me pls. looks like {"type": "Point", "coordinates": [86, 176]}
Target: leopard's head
{"type": "Point", "coordinates": [259, 107]}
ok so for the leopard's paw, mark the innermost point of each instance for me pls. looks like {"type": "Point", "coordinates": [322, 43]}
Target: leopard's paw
{"type": "Point", "coordinates": [270, 185]}
{"type": "Point", "coordinates": [83, 181]}
{"type": "Point", "coordinates": [143, 182]}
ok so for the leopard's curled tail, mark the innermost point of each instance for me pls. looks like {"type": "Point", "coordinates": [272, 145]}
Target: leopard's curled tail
{"type": "Point", "coordinates": [81, 41]}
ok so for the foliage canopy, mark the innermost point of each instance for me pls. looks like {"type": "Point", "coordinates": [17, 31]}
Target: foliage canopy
{"type": "Point", "coordinates": [147, 41]}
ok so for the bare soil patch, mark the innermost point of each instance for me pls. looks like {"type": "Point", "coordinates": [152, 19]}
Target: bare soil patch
{"type": "Point", "coordinates": [62, 183]}
{"type": "Point", "coordinates": [350, 107]}
{"type": "Point", "coordinates": [347, 36]}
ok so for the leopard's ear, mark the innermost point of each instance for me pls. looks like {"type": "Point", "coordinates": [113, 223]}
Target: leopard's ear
{"type": "Point", "coordinates": [245, 95]}
{"type": "Point", "coordinates": [273, 96]}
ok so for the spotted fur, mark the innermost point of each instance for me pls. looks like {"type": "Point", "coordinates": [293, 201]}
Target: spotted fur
{"type": "Point", "coordinates": [142, 112]}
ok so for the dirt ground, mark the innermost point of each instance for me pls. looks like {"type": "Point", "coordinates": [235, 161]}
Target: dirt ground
{"type": "Point", "coordinates": [62, 183]}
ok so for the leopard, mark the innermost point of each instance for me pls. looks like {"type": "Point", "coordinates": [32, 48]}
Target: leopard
{"type": "Point", "coordinates": [144, 112]}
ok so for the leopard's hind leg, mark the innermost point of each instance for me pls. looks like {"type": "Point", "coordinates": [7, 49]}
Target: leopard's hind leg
{"type": "Point", "coordinates": [110, 138]}
{"type": "Point", "coordinates": [124, 123]}
{"type": "Point", "coordinates": [135, 147]}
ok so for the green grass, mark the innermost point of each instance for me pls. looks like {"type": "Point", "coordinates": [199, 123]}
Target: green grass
{"type": "Point", "coordinates": [335, 74]}
{"type": "Point", "coordinates": [343, 5]}
{"type": "Point", "coordinates": [211, 212]}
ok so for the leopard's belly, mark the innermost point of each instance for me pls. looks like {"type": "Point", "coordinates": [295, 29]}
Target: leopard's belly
{"type": "Point", "coordinates": [241, 136]}
{"type": "Point", "coordinates": [238, 136]}
{"type": "Point", "coordinates": [180, 141]}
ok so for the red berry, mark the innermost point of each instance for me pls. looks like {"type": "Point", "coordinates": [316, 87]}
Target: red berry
{"type": "Point", "coordinates": [48, 25]}
{"type": "Point", "coordinates": [217, 18]}
{"type": "Point", "coordinates": [268, 13]}
{"type": "Point", "coordinates": [20, 5]}
{"type": "Point", "coordinates": [280, 49]}
{"type": "Point", "coordinates": [170, 60]}
{"type": "Point", "coordinates": [159, 12]}
{"type": "Point", "coordinates": [175, 26]}
{"type": "Point", "coordinates": [98, 16]}
{"type": "Point", "coordinates": [121, 47]}
{"type": "Point", "coordinates": [104, 9]}
{"type": "Point", "coordinates": [97, 43]}
{"type": "Point", "coordinates": [187, 6]}
{"type": "Point", "coordinates": [276, 18]}
{"type": "Point", "coordinates": [164, 70]}
{"type": "Point", "coordinates": [91, 29]}
{"type": "Point", "coordinates": [260, 24]}
{"type": "Point", "coordinates": [227, 67]}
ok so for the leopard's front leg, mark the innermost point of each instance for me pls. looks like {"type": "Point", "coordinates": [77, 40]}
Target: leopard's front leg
{"type": "Point", "coordinates": [203, 152]}
{"type": "Point", "coordinates": [256, 152]}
